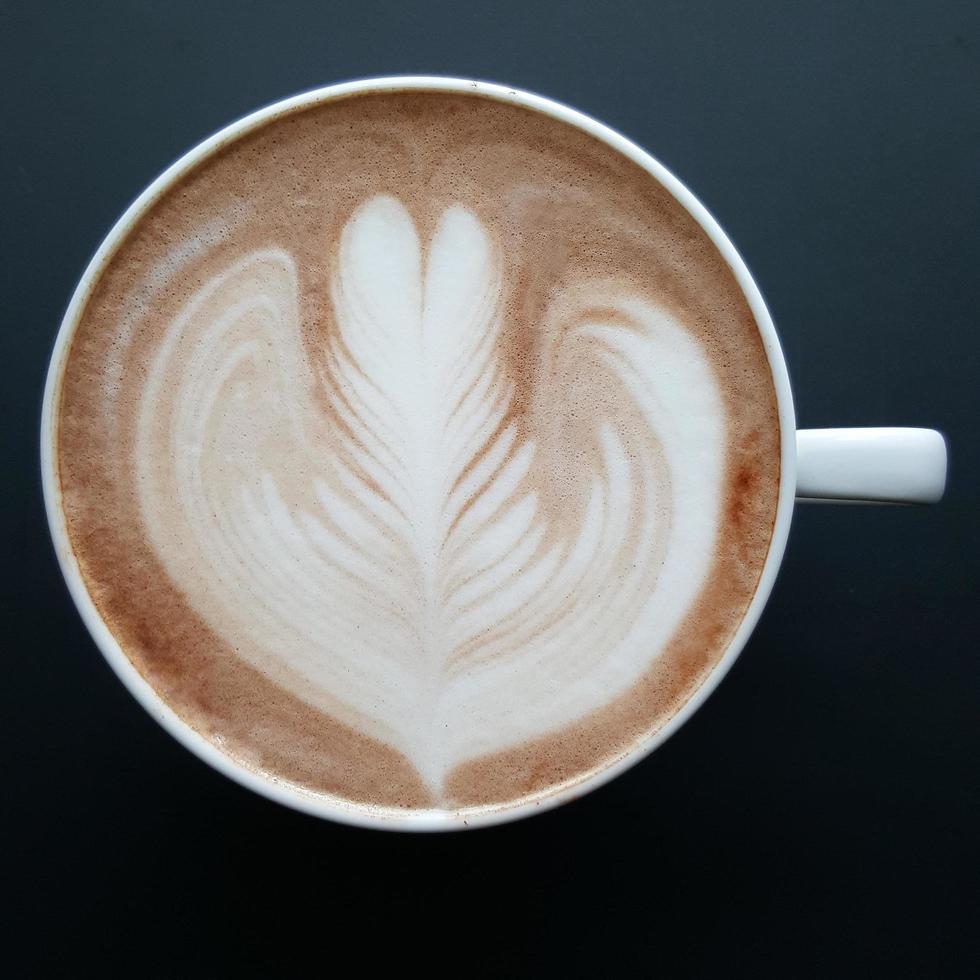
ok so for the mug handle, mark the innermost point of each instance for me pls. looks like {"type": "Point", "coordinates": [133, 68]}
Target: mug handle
{"type": "Point", "coordinates": [900, 466]}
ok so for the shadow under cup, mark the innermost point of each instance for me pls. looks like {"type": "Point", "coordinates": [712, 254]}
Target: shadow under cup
{"type": "Point", "coordinates": [413, 452]}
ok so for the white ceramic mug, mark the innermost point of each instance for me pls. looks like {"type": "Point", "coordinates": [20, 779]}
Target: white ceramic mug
{"type": "Point", "coordinates": [887, 465]}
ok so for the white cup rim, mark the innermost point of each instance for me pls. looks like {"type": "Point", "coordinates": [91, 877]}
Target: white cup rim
{"type": "Point", "coordinates": [282, 791]}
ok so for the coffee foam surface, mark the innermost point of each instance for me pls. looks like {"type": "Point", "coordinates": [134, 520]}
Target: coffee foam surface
{"type": "Point", "coordinates": [419, 449]}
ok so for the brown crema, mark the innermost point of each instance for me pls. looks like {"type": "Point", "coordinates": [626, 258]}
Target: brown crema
{"type": "Point", "coordinates": [560, 206]}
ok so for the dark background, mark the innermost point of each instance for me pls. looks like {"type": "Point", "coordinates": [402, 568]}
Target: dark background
{"type": "Point", "coordinates": [819, 817]}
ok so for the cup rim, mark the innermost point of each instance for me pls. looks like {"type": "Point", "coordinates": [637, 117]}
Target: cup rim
{"type": "Point", "coordinates": [280, 790]}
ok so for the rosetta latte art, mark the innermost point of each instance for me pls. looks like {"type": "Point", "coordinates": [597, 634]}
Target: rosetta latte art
{"type": "Point", "coordinates": [387, 531]}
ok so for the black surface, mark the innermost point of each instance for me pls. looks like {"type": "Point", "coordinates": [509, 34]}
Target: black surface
{"type": "Point", "coordinates": [818, 818]}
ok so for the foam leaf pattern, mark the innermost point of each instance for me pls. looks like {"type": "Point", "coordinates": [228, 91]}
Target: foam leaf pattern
{"type": "Point", "coordinates": [373, 525]}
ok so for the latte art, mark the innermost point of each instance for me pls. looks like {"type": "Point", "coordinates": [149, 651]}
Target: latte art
{"type": "Point", "coordinates": [420, 451]}
{"type": "Point", "coordinates": [370, 529]}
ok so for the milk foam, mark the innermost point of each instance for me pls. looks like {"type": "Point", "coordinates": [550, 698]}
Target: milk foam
{"type": "Point", "coordinates": [371, 526]}
{"type": "Point", "coordinates": [419, 450]}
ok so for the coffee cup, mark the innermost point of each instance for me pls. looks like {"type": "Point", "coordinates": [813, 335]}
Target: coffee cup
{"type": "Point", "coordinates": [421, 454]}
